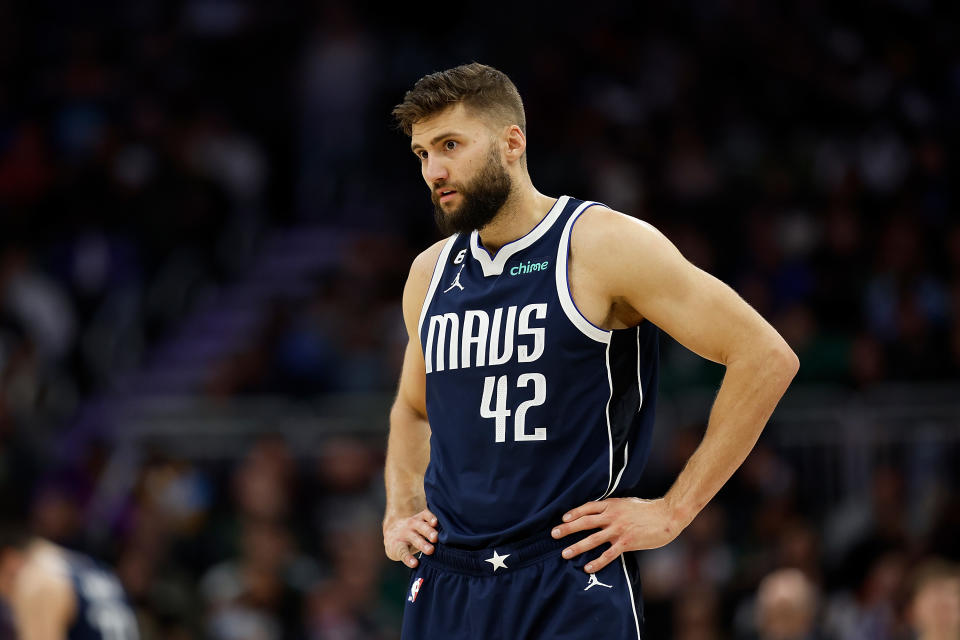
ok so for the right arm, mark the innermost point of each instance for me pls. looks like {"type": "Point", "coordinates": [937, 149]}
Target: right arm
{"type": "Point", "coordinates": [408, 526]}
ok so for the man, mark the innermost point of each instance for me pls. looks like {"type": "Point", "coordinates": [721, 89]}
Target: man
{"type": "Point", "coordinates": [934, 608]}
{"type": "Point", "coordinates": [55, 594]}
{"type": "Point", "coordinates": [528, 386]}
{"type": "Point", "coordinates": [786, 606]}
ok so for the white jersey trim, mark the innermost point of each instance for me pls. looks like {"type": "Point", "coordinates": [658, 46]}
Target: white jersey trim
{"type": "Point", "coordinates": [493, 266]}
{"type": "Point", "coordinates": [437, 273]}
{"type": "Point", "coordinates": [609, 429]}
{"type": "Point", "coordinates": [633, 602]}
{"type": "Point", "coordinates": [639, 379]}
{"type": "Point", "coordinates": [586, 327]}
{"type": "Point", "coordinates": [626, 446]}
{"type": "Point", "coordinates": [626, 457]}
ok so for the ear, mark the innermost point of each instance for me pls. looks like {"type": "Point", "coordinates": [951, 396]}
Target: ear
{"type": "Point", "coordinates": [516, 143]}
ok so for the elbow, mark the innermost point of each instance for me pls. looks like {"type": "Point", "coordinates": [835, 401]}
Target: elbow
{"type": "Point", "coordinates": [784, 360]}
{"type": "Point", "coordinates": [403, 411]}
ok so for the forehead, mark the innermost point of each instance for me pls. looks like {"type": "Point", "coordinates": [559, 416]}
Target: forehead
{"type": "Point", "coordinates": [456, 118]}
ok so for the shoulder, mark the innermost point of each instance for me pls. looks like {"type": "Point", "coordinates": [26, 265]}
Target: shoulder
{"type": "Point", "coordinates": [421, 270]}
{"type": "Point", "coordinates": [418, 280]}
{"type": "Point", "coordinates": [629, 263]}
{"type": "Point", "coordinates": [599, 228]}
{"type": "Point", "coordinates": [44, 585]}
{"type": "Point", "coordinates": [613, 243]}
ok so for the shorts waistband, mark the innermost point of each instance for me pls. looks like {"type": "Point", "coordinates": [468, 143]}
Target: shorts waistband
{"type": "Point", "coordinates": [500, 558]}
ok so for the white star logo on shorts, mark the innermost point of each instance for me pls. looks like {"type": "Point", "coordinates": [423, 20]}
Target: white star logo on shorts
{"type": "Point", "coordinates": [497, 560]}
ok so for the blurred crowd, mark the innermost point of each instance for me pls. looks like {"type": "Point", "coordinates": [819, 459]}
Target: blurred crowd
{"type": "Point", "coordinates": [803, 152]}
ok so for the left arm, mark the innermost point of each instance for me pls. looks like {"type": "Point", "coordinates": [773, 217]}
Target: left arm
{"type": "Point", "coordinates": [649, 279]}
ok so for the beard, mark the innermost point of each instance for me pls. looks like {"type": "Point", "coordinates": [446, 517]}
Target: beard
{"type": "Point", "coordinates": [480, 199]}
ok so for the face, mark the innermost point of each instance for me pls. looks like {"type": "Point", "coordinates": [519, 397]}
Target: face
{"type": "Point", "coordinates": [461, 164]}
{"type": "Point", "coordinates": [11, 561]}
{"type": "Point", "coordinates": [937, 606]}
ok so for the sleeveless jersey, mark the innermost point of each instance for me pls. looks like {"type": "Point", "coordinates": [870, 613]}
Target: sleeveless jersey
{"type": "Point", "coordinates": [102, 609]}
{"type": "Point", "coordinates": [533, 409]}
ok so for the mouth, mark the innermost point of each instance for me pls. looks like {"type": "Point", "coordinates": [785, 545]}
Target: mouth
{"type": "Point", "coordinates": [446, 194]}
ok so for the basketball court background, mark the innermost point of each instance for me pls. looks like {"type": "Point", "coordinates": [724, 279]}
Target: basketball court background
{"type": "Point", "coordinates": [206, 219]}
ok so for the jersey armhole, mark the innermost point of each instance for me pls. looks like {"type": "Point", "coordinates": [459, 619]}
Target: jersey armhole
{"type": "Point", "coordinates": [435, 280]}
{"type": "Point", "coordinates": [570, 308]}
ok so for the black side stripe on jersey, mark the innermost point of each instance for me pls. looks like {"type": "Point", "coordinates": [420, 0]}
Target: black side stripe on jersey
{"type": "Point", "coordinates": [626, 396]}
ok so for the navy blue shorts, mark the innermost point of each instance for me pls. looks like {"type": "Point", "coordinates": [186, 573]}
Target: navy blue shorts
{"type": "Point", "coordinates": [522, 591]}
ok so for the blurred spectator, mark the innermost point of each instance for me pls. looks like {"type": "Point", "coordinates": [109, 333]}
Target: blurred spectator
{"type": "Point", "coordinates": [38, 304]}
{"type": "Point", "coordinates": [259, 593]}
{"type": "Point", "coordinates": [263, 483]}
{"type": "Point", "coordinates": [934, 609]}
{"type": "Point", "coordinates": [696, 615]}
{"type": "Point", "coordinates": [859, 532]}
{"type": "Point", "coordinates": [348, 604]}
{"type": "Point", "coordinates": [786, 607]}
{"type": "Point", "coordinates": [338, 84]}
{"type": "Point", "coordinates": [871, 610]}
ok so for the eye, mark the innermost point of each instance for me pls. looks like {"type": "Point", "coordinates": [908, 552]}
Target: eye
{"type": "Point", "coordinates": [422, 154]}
{"type": "Point", "coordinates": [450, 145]}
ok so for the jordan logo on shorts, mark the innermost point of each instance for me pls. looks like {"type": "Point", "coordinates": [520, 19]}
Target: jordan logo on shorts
{"type": "Point", "coordinates": [456, 281]}
{"type": "Point", "coordinates": [593, 582]}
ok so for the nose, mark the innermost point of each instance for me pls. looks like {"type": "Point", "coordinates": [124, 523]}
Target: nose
{"type": "Point", "coordinates": [434, 171]}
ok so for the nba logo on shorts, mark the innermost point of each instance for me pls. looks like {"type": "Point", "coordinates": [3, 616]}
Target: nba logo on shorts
{"type": "Point", "coordinates": [415, 589]}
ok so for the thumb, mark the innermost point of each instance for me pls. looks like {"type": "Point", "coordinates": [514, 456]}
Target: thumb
{"type": "Point", "coordinates": [405, 556]}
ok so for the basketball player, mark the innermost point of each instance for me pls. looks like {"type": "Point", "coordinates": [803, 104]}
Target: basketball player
{"type": "Point", "coordinates": [56, 594]}
{"type": "Point", "coordinates": [525, 405]}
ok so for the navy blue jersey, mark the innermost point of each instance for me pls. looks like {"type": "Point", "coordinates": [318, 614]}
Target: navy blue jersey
{"type": "Point", "coordinates": [102, 609]}
{"type": "Point", "coordinates": [533, 409]}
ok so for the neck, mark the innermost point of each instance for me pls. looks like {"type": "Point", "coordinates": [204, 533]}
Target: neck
{"type": "Point", "coordinates": [522, 211]}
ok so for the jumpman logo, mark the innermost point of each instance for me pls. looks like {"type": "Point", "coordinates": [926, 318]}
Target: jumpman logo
{"type": "Point", "coordinates": [593, 582]}
{"type": "Point", "coordinates": [456, 281]}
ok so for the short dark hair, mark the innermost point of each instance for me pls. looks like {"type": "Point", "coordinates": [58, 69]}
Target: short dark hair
{"type": "Point", "coordinates": [480, 88]}
{"type": "Point", "coordinates": [932, 570]}
{"type": "Point", "coordinates": [14, 535]}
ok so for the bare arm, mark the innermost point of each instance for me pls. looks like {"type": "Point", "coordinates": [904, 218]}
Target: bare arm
{"type": "Point", "coordinates": [408, 526]}
{"type": "Point", "coordinates": [649, 279]}
{"type": "Point", "coordinates": [43, 604]}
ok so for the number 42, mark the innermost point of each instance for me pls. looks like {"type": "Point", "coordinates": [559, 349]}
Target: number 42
{"type": "Point", "coordinates": [501, 412]}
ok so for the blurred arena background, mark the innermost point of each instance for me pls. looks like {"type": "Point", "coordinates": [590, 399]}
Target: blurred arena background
{"type": "Point", "coordinates": [206, 220]}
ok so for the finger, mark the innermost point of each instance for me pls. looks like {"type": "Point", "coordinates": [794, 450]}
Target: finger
{"type": "Point", "coordinates": [597, 506]}
{"type": "Point", "coordinates": [590, 542]}
{"type": "Point", "coordinates": [428, 517]}
{"type": "Point", "coordinates": [605, 558]}
{"type": "Point", "coordinates": [410, 560]}
{"type": "Point", "coordinates": [417, 541]}
{"type": "Point", "coordinates": [426, 530]}
{"type": "Point", "coordinates": [580, 524]}
{"type": "Point", "coordinates": [404, 555]}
